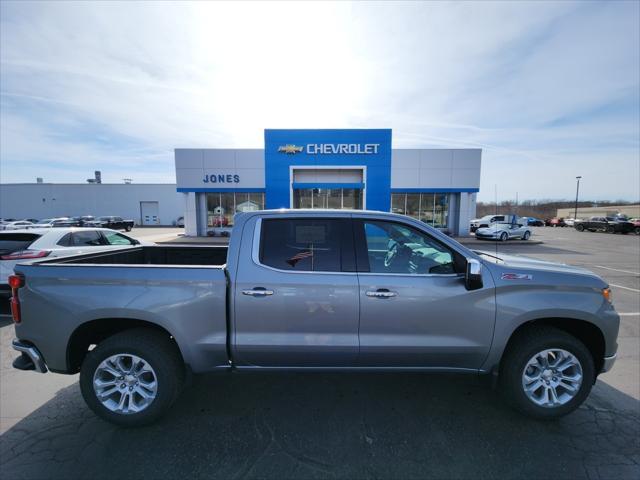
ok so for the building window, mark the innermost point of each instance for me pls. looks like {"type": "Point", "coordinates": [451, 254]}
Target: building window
{"type": "Point", "coordinates": [221, 207]}
{"type": "Point", "coordinates": [338, 198]}
{"type": "Point", "coordinates": [430, 208]}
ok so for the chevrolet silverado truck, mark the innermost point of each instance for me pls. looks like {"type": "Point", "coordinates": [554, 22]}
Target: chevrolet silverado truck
{"type": "Point", "coordinates": [312, 291]}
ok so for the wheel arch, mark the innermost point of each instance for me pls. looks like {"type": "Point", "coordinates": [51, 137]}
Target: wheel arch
{"type": "Point", "coordinates": [95, 331]}
{"type": "Point", "coordinates": [585, 331]}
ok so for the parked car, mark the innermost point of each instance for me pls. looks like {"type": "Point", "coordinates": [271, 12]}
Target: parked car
{"type": "Point", "coordinates": [636, 225]}
{"type": "Point", "coordinates": [54, 223]}
{"type": "Point", "coordinates": [36, 243]}
{"type": "Point", "coordinates": [487, 220]}
{"type": "Point", "coordinates": [179, 222]}
{"type": "Point", "coordinates": [504, 232]}
{"type": "Point", "coordinates": [300, 290]}
{"type": "Point", "coordinates": [115, 223]}
{"type": "Point", "coordinates": [220, 221]}
{"type": "Point", "coordinates": [17, 225]}
{"type": "Point", "coordinates": [84, 220]}
{"type": "Point", "coordinates": [605, 224]}
{"type": "Point", "coordinates": [570, 222]}
{"type": "Point", "coordinates": [555, 222]}
{"type": "Point", "coordinates": [534, 222]}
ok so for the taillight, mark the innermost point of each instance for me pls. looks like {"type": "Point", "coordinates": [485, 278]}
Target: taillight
{"type": "Point", "coordinates": [26, 254]}
{"type": "Point", "coordinates": [15, 282]}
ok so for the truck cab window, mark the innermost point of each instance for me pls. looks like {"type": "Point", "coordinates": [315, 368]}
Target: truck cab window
{"type": "Point", "coordinates": [302, 244]}
{"type": "Point", "coordinates": [395, 248]}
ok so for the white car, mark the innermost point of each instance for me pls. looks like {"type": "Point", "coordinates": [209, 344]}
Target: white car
{"type": "Point", "coordinates": [504, 232]}
{"type": "Point", "coordinates": [52, 222]}
{"type": "Point", "coordinates": [20, 246]}
{"type": "Point", "coordinates": [17, 225]}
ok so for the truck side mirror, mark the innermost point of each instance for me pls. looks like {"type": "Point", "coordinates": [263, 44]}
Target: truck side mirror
{"type": "Point", "coordinates": [473, 275]}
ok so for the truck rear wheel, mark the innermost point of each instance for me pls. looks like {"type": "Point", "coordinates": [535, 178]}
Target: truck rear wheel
{"type": "Point", "coordinates": [133, 377]}
{"type": "Point", "coordinates": [546, 373]}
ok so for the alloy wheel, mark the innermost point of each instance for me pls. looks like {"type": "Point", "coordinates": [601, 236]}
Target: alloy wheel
{"type": "Point", "coordinates": [552, 378]}
{"type": "Point", "coordinates": [125, 383]}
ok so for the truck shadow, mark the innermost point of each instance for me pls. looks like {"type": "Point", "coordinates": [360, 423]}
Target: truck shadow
{"type": "Point", "coordinates": [330, 425]}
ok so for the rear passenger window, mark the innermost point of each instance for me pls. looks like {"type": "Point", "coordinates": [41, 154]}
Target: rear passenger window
{"type": "Point", "coordinates": [306, 245]}
{"type": "Point", "coordinates": [65, 241]}
{"type": "Point", "coordinates": [87, 238]}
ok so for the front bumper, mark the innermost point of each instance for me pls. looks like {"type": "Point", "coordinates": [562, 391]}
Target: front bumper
{"type": "Point", "coordinates": [31, 358]}
{"type": "Point", "coordinates": [608, 362]}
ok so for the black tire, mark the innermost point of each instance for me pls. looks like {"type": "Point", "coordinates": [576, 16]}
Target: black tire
{"type": "Point", "coordinates": [525, 346]}
{"type": "Point", "coordinates": [610, 230]}
{"type": "Point", "coordinates": [504, 236]}
{"type": "Point", "coordinates": [128, 228]}
{"type": "Point", "coordinates": [637, 230]}
{"type": "Point", "coordinates": [158, 351]}
{"type": "Point", "coordinates": [580, 228]}
{"type": "Point", "coordinates": [526, 235]}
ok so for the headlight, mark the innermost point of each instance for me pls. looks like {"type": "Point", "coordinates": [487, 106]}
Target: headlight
{"type": "Point", "coordinates": [606, 293]}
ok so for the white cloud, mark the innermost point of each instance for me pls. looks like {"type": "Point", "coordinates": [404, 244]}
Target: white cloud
{"type": "Point", "coordinates": [549, 90]}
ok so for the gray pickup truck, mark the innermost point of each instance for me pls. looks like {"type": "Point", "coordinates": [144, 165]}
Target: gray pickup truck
{"type": "Point", "coordinates": [312, 291]}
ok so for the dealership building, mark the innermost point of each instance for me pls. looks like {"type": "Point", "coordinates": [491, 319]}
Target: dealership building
{"type": "Point", "coordinates": [343, 169]}
{"type": "Point", "coordinates": [338, 169]}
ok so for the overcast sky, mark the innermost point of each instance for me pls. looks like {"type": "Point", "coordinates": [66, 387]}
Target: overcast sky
{"type": "Point", "coordinates": [548, 90]}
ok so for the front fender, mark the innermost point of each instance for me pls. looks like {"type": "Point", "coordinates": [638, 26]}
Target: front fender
{"type": "Point", "coordinates": [519, 305]}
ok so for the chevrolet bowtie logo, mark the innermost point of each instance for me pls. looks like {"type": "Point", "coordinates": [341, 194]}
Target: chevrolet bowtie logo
{"type": "Point", "coordinates": [290, 149]}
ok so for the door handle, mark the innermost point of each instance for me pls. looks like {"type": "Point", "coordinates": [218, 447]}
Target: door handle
{"type": "Point", "coordinates": [381, 293]}
{"type": "Point", "coordinates": [258, 292]}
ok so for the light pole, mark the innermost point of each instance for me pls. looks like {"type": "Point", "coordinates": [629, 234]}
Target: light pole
{"type": "Point", "coordinates": [575, 212]}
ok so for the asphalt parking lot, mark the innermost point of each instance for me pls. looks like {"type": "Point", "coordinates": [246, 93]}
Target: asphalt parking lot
{"type": "Point", "coordinates": [345, 426]}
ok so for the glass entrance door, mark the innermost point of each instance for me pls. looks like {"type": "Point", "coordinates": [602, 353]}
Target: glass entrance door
{"type": "Point", "coordinates": [337, 198]}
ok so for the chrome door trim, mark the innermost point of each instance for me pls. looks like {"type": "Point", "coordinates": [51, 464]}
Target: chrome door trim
{"type": "Point", "coordinates": [255, 257]}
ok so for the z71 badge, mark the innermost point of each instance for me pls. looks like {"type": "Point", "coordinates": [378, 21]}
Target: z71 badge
{"type": "Point", "coordinates": [516, 276]}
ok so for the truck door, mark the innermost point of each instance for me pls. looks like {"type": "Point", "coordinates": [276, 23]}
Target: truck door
{"type": "Point", "coordinates": [414, 308]}
{"type": "Point", "coordinates": [296, 294]}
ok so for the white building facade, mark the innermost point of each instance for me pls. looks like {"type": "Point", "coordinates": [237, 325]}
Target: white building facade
{"type": "Point", "coordinates": [145, 204]}
{"type": "Point", "coordinates": [354, 169]}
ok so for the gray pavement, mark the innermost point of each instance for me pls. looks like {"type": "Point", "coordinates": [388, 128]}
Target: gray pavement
{"type": "Point", "coordinates": [345, 426]}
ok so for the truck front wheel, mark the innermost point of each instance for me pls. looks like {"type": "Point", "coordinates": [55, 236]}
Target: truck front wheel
{"type": "Point", "coordinates": [133, 377]}
{"type": "Point", "coordinates": [546, 373]}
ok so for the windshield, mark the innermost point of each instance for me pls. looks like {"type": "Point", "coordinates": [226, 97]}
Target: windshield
{"type": "Point", "coordinates": [106, 219]}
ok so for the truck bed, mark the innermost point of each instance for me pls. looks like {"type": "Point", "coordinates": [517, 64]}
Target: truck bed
{"type": "Point", "coordinates": [182, 289]}
{"type": "Point", "coordinates": [179, 255]}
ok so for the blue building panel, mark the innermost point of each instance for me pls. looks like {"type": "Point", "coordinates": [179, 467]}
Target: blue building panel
{"type": "Point", "coordinates": [367, 149]}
